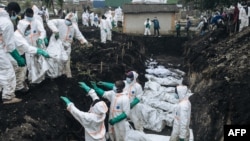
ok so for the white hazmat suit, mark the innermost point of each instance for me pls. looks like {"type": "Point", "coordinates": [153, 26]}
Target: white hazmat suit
{"type": "Point", "coordinates": [147, 25]}
{"type": "Point", "coordinates": [93, 120]}
{"type": "Point", "coordinates": [66, 34]}
{"type": "Point", "coordinates": [134, 90]}
{"type": "Point", "coordinates": [22, 46]}
{"type": "Point", "coordinates": [7, 44]}
{"type": "Point", "coordinates": [119, 104]}
{"type": "Point", "coordinates": [243, 17]}
{"type": "Point", "coordinates": [36, 71]}
{"type": "Point", "coordinates": [103, 29]}
{"type": "Point", "coordinates": [182, 116]}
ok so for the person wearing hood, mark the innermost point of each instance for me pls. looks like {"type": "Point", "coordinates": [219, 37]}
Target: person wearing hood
{"type": "Point", "coordinates": [22, 45]}
{"type": "Point", "coordinates": [119, 110]}
{"type": "Point", "coordinates": [180, 131]}
{"type": "Point", "coordinates": [93, 120]}
{"type": "Point", "coordinates": [147, 25]}
{"type": "Point", "coordinates": [7, 45]}
{"type": "Point", "coordinates": [65, 30]}
{"type": "Point", "coordinates": [242, 17]}
{"type": "Point", "coordinates": [37, 12]}
{"type": "Point", "coordinates": [36, 39]}
{"type": "Point", "coordinates": [135, 92]}
{"type": "Point", "coordinates": [103, 29]}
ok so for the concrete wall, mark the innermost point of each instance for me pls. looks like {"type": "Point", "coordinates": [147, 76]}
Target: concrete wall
{"type": "Point", "coordinates": [134, 23]}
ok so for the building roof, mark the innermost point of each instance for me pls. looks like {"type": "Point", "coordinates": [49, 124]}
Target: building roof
{"type": "Point", "coordinates": [116, 3]}
{"type": "Point", "coordinates": [152, 8]}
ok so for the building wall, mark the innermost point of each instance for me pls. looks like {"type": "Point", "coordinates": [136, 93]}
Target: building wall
{"type": "Point", "coordinates": [134, 23]}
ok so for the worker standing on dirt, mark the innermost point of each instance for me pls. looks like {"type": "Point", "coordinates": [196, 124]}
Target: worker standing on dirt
{"type": "Point", "coordinates": [119, 110]}
{"type": "Point", "coordinates": [22, 45]}
{"type": "Point", "coordinates": [36, 72]}
{"type": "Point", "coordinates": [7, 45]}
{"type": "Point", "coordinates": [93, 120]}
{"type": "Point", "coordinates": [65, 30]}
{"type": "Point", "coordinates": [103, 29]}
{"type": "Point", "coordinates": [147, 25]}
{"type": "Point", "coordinates": [178, 29]}
{"type": "Point", "coordinates": [180, 131]}
{"type": "Point", "coordinates": [134, 91]}
{"type": "Point", "coordinates": [156, 26]}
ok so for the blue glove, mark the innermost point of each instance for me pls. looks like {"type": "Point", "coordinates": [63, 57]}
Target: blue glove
{"type": "Point", "coordinates": [43, 53]}
{"type": "Point", "coordinates": [57, 35]}
{"type": "Point", "coordinates": [99, 91]}
{"type": "Point", "coordinates": [84, 86]}
{"type": "Point", "coordinates": [118, 118]}
{"type": "Point", "coordinates": [18, 58]}
{"type": "Point", "coordinates": [39, 43]}
{"type": "Point", "coordinates": [181, 139]}
{"type": "Point", "coordinates": [46, 41]}
{"type": "Point", "coordinates": [66, 100]}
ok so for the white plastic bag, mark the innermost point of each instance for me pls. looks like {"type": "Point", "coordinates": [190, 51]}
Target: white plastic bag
{"type": "Point", "coordinates": [58, 58]}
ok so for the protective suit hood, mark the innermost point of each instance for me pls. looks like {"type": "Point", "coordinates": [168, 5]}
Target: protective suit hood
{"type": "Point", "coordinates": [100, 108]}
{"type": "Point", "coordinates": [35, 9]}
{"type": "Point", "coordinates": [22, 25]}
{"type": "Point", "coordinates": [71, 16]}
{"type": "Point", "coordinates": [135, 76]}
{"type": "Point", "coordinates": [3, 13]}
{"type": "Point", "coordinates": [182, 91]}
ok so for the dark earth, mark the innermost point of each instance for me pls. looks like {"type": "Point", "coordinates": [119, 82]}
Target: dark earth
{"type": "Point", "coordinates": [216, 64]}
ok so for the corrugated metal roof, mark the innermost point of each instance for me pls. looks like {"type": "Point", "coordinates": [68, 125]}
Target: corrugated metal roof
{"type": "Point", "coordinates": [145, 8]}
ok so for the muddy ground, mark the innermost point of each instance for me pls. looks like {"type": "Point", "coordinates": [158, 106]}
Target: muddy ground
{"type": "Point", "coordinates": [42, 116]}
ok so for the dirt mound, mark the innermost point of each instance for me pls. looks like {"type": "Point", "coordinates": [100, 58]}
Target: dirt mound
{"type": "Point", "coordinates": [218, 72]}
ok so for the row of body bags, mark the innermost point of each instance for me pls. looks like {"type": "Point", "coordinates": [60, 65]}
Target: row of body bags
{"type": "Point", "coordinates": [158, 102]}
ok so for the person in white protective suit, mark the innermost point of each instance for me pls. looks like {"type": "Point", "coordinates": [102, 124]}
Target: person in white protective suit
{"type": "Point", "coordinates": [22, 45]}
{"type": "Point", "coordinates": [45, 13]}
{"type": "Point", "coordinates": [93, 120]}
{"type": "Point", "coordinates": [92, 18]}
{"type": "Point", "coordinates": [103, 29]}
{"type": "Point", "coordinates": [242, 17]}
{"type": "Point", "coordinates": [7, 45]}
{"type": "Point", "coordinates": [85, 19]}
{"type": "Point", "coordinates": [65, 30]}
{"type": "Point", "coordinates": [134, 91]}
{"type": "Point", "coordinates": [36, 71]}
{"type": "Point", "coordinates": [109, 27]}
{"type": "Point", "coordinates": [119, 110]}
{"type": "Point", "coordinates": [180, 131]}
{"type": "Point", "coordinates": [36, 16]}
{"type": "Point", "coordinates": [118, 15]}
{"type": "Point", "coordinates": [96, 20]}
{"type": "Point", "coordinates": [147, 25]}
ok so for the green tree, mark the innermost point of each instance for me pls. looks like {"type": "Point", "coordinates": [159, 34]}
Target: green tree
{"type": "Point", "coordinates": [50, 4]}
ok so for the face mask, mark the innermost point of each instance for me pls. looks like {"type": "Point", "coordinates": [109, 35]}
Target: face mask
{"type": "Point", "coordinates": [68, 23]}
{"type": "Point", "coordinates": [29, 18]}
{"type": "Point", "coordinates": [13, 17]}
{"type": "Point", "coordinates": [128, 80]}
{"type": "Point", "coordinates": [27, 32]}
{"type": "Point", "coordinates": [115, 89]}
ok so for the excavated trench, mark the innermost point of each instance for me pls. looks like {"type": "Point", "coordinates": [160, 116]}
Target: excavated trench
{"type": "Point", "coordinates": [42, 116]}
{"type": "Point", "coordinates": [217, 70]}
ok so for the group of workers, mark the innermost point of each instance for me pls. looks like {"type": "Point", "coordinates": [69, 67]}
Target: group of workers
{"type": "Point", "coordinates": [29, 41]}
{"type": "Point", "coordinates": [124, 96]}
